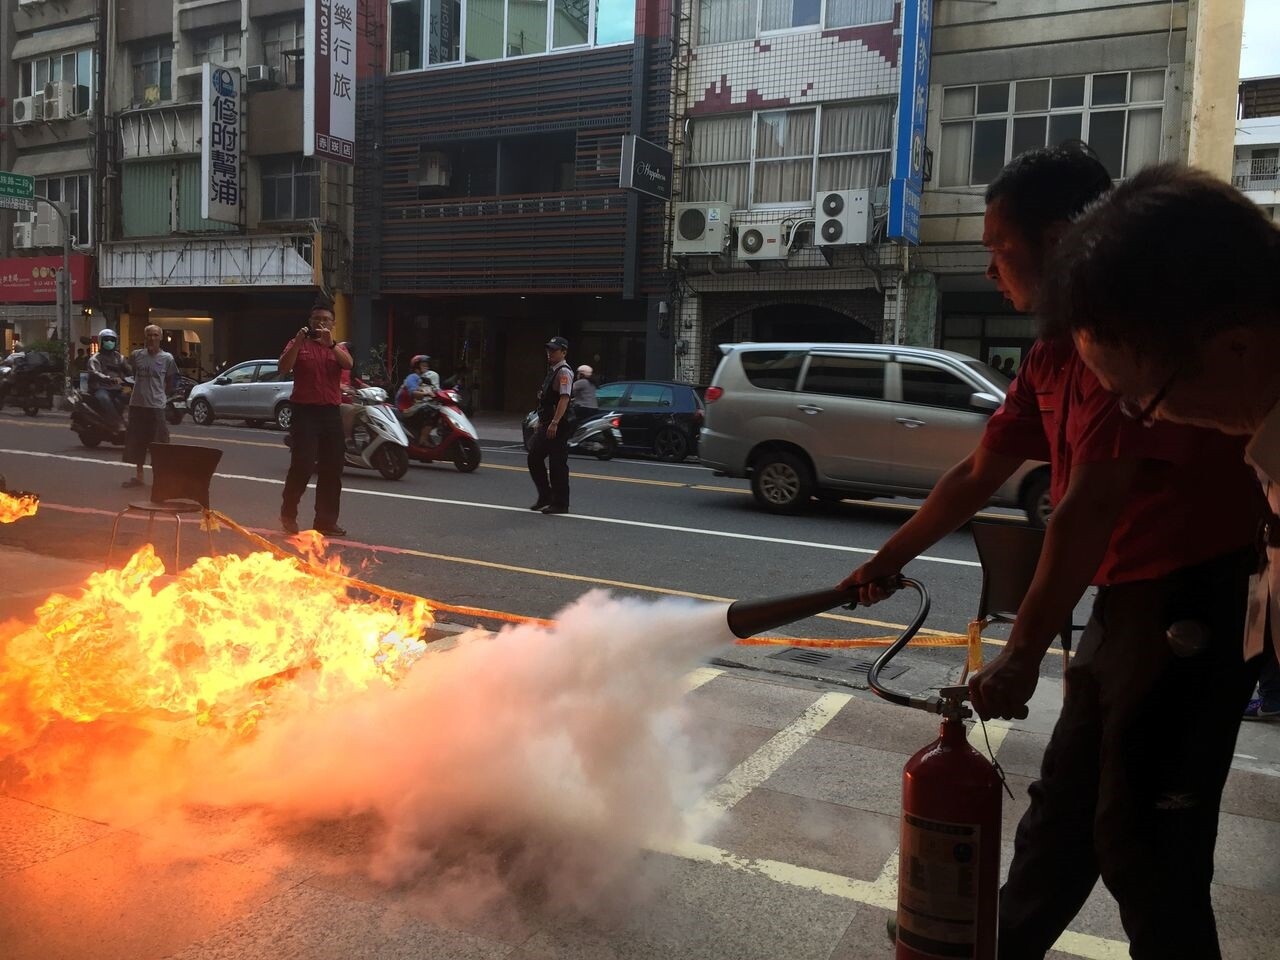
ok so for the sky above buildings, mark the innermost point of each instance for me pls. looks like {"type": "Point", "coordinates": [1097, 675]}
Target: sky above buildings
{"type": "Point", "coordinates": [1260, 54]}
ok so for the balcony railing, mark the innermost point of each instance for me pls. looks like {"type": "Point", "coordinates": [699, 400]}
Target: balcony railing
{"type": "Point", "coordinates": [255, 260]}
{"type": "Point", "coordinates": [1260, 173]}
{"type": "Point", "coordinates": [160, 130]}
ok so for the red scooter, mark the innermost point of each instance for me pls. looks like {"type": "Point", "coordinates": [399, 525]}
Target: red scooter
{"type": "Point", "coordinates": [453, 437]}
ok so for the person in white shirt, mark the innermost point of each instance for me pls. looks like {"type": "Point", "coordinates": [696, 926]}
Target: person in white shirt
{"type": "Point", "coordinates": [1171, 288]}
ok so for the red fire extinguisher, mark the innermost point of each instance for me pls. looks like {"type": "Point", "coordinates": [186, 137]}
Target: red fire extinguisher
{"type": "Point", "coordinates": [949, 856]}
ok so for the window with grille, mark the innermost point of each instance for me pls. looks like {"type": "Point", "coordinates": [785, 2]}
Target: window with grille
{"type": "Point", "coordinates": [984, 126]}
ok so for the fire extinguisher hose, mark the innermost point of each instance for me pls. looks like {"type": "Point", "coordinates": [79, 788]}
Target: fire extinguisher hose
{"type": "Point", "coordinates": [929, 704]}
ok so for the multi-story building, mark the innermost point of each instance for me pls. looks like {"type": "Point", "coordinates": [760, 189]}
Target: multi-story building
{"type": "Point", "coordinates": [491, 216]}
{"type": "Point", "coordinates": [50, 82]}
{"type": "Point", "coordinates": [110, 125]}
{"type": "Point", "coordinates": [780, 102]}
{"type": "Point", "coordinates": [228, 290]}
{"type": "Point", "coordinates": [1256, 168]}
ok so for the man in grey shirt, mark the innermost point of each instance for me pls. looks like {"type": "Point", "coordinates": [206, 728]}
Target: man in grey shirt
{"type": "Point", "coordinates": [584, 393]}
{"type": "Point", "coordinates": [155, 374]}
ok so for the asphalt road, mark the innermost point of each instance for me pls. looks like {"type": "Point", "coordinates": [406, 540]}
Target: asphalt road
{"type": "Point", "coordinates": [637, 526]}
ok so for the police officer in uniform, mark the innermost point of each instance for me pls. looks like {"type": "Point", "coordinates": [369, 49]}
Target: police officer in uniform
{"type": "Point", "coordinates": [551, 442]}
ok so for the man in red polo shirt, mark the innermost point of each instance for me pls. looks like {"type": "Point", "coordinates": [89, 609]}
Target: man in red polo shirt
{"type": "Point", "coordinates": [318, 443]}
{"type": "Point", "coordinates": [1161, 520]}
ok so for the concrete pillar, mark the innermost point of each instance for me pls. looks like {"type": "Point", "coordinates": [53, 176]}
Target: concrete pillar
{"type": "Point", "coordinates": [1215, 29]}
{"type": "Point", "coordinates": [919, 309]}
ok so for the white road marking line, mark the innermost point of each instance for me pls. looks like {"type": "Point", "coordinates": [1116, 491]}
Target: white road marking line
{"type": "Point", "coordinates": [585, 518]}
{"type": "Point", "coordinates": [699, 677]}
{"type": "Point", "coordinates": [764, 763]}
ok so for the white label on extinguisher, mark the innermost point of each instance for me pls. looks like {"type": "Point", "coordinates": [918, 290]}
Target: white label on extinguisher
{"type": "Point", "coordinates": [938, 887]}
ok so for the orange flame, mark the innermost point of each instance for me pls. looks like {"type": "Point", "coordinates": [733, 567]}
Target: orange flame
{"type": "Point", "coordinates": [215, 643]}
{"type": "Point", "coordinates": [15, 506]}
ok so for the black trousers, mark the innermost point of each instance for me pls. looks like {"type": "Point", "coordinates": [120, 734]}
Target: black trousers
{"type": "Point", "coordinates": [319, 448]}
{"type": "Point", "coordinates": [1132, 777]}
{"type": "Point", "coordinates": [555, 454]}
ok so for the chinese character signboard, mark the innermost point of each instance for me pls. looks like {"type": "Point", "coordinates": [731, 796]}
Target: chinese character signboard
{"type": "Point", "coordinates": [17, 192]}
{"type": "Point", "coordinates": [220, 145]}
{"type": "Point", "coordinates": [913, 108]}
{"type": "Point", "coordinates": [646, 168]}
{"type": "Point", "coordinates": [329, 90]}
{"type": "Point", "coordinates": [34, 279]}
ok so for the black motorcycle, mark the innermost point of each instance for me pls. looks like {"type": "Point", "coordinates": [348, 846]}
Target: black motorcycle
{"type": "Point", "coordinates": [26, 379]}
{"type": "Point", "coordinates": [175, 405]}
{"type": "Point", "coordinates": [88, 423]}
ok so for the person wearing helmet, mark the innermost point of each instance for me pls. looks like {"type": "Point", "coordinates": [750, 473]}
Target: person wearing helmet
{"type": "Point", "coordinates": [107, 370]}
{"type": "Point", "coordinates": [415, 398]}
{"type": "Point", "coordinates": [583, 398]}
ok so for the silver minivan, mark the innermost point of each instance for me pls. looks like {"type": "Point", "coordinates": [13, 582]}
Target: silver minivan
{"type": "Point", "coordinates": [836, 420]}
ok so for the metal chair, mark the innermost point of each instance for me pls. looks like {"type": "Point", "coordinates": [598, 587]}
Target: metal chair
{"type": "Point", "coordinates": [1009, 554]}
{"type": "Point", "coordinates": [180, 477]}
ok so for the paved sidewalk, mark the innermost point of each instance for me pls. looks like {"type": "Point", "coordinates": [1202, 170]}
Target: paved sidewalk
{"type": "Point", "coordinates": [800, 864]}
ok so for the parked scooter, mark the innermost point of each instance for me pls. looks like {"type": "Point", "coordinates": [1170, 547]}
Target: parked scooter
{"type": "Point", "coordinates": [599, 436]}
{"type": "Point", "coordinates": [88, 423]}
{"type": "Point", "coordinates": [25, 379]}
{"type": "Point", "coordinates": [375, 440]}
{"type": "Point", "coordinates": [452, 438]}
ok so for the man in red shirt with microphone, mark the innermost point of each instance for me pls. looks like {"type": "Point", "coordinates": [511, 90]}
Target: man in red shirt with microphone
{"type": "Point", "coordinates": [318, 443]}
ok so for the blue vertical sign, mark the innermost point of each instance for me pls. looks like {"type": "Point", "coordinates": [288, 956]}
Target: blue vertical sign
{"type": "Point", "coordinates": [913, 109]}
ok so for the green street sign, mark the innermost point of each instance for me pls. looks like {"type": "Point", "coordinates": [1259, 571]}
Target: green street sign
{"type": "Point", "coordinates": [17, 192]}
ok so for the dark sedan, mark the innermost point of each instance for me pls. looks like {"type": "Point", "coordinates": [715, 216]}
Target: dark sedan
{"type": "Point", "coordinates": [660, 417]}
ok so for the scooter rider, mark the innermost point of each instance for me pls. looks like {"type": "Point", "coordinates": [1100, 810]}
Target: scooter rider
{"type": "Point", "coordinates": [416, 399]}
{"type": "Point", "coordinates": [583, 398]}
{"type": "Point", "coordinates": [107, 370]}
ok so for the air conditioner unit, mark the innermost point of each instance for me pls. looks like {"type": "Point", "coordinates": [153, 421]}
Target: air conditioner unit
{"type": "Point", "coordinates": [28, 109]}
{"type": "Point", "coordinates": [59, 100]}
{"type": "Point", "coordinates": [701, 228]}
{"type": "Point", "coordinates": [23, 236]}
{"type": "Point", "coordinates": [259, 73]}
{"type": "Point", "coordinates": [48, 228]}
{"type": "Point", "coordinates": [761, 241]}
{"type": "Point", "coordinates": [843, 217]}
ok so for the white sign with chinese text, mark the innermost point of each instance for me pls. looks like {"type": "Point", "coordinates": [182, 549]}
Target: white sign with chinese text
{"type": "Point", "coordinates": [220, 144]}
{"type": "Point", "coordinates": [329, 89]}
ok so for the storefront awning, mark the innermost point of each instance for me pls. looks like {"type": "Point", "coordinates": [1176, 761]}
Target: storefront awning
{"type": "Point", "coordinates": [54, 163]}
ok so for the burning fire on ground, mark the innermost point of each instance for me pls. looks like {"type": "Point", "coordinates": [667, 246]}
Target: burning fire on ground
{"type": "Point", "coordinates": [15, 506]}
{"type": "Point", "coordinates": [213, 644]}
{"type": "Point", "coordinates": [541, 756]}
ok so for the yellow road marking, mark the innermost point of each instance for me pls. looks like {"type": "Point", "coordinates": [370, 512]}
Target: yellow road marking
{"type": "Point", "coordinates": [699, 677]}
{"type": "Point", "coordinates": [764, 763]}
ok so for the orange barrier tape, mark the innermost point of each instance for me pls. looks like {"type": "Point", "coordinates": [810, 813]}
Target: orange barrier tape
{"type": "Point", "coordinates": [972, 640]}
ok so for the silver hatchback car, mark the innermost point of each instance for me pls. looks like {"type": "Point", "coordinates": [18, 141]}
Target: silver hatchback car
{"type": "Point", "coordinates": [252, 391]}
{"type": "Point", "coordinates": [835, 420]}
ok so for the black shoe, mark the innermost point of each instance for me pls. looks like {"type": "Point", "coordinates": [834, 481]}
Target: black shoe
{"type": "Point", "coordinates": [331, 531]}
{"type": "Point", "coordinates": [553, 508]}
{"type": "Point", "coordinates": [290, 524]}
{"type": "Point", "coordinates": [541, 504]}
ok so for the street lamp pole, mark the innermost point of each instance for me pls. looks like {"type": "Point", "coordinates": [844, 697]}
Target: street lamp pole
{"type": "Point", "coordinates": [63, 297]}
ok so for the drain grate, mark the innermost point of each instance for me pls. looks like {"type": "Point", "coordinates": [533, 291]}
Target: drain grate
{"type": "Point", "coordinates": [816, 658]}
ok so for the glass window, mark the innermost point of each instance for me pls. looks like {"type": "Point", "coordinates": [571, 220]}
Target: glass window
{"type": "Point", "coordinates": [1028, 133]}
{"type": "Point", "coordinates": [1110, 88]}
{"type": "Point", "coordinates": [649, 395]}
{"type": "Point", "coordinates": [221, 47]}
{"type": "Point", "coordinates": [855, 13]}
{"type": "Point", "coordinates": [71, 76]}
{"type": "Point", "coordinates": [1106, 136]}
{"type": "Point", "coordinates": [1142, 143]}
{"type": "Point", "coordinates": [290, 188]}
{"type": "Point", "coordinates": [782, 134]}
{"type": "Point", "coordinates": [607, 397]}
{"type": "Point", "coordinates": [1064, 127]}
{"type": "Point", "coordinates": [74, 192]}
{"type": "Point", "coordinates": [283, 44]}
{"type": "Point", "coordinates": [772, 369]}
{"type": "Point", "coordinates": [1147, 87]}
{"type": "Point", "coordinates": [993, 98]}
{"type": "Point", "coordinates": [1031, 95]}
{"type": "Point", "coordinates": [615, 21]}
{"type": "Point", "coordinates": [934, 387]}
{"type": "Point", "coordinates": [720, 21]}
{"type": "Point", "coordinates": [444, 30]}
{"type": "Point", "coordinates": [957, 149]}
{"type": "Point", "coordinates": [268, 371]}
{"type": "Point", "coordinates": [853, 145]}
{"type": "Point", "coordinates": [957, 102]}
{"type": "Point", "coordinates": [86, 82]}
{"type": "Point", "coordinates": [988, 149]}
{"type": "Point", "coordinates": [571, 23]}
{"type": "Point", "coordinates": [152, 73]}
{"type": "Point", "coordinates": [1067, 92]}
{"type": "Point", "coordinates": [846, 377]}
{"type": "Point", "coordinates": [484, 29]}
{"type": "Point", "coordinates": [406, 35]}
{"type": "Point", "coordinates": [783, 14]}
{"type": "Point", "coordinates": [526, 27]}
{"type": "Point", "coordinates": [241, 374]}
